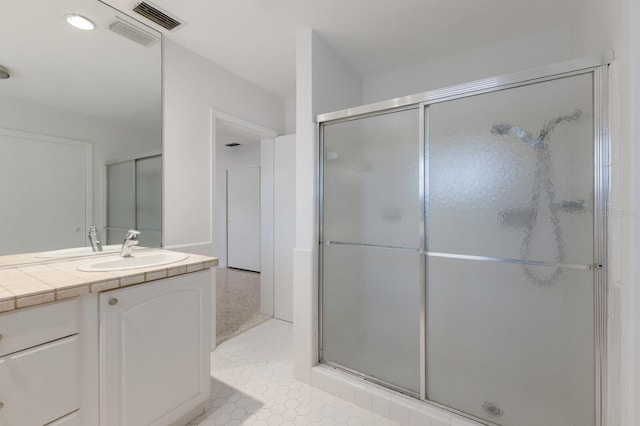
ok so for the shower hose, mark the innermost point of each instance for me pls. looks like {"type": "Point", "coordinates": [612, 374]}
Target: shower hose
{"type": "Point", "coordinates": [543, 181]}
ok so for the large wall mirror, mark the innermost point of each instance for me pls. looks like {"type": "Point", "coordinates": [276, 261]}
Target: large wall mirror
{"type": "Point", "coordinates": [80, 127]}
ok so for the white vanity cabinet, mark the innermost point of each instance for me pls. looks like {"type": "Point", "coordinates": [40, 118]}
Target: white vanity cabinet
{"type": "Point", "coordinates": [39, 364]}
{"type": "Point", "coordinates": [154, 350]}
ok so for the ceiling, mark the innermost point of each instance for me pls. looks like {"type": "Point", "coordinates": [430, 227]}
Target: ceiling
{"type": "Point", "coordinates": [105, 75]}
{"type": "Point", "coordinates": [256, 38]}
{"type": "Point", "coordinates": [98, 72]}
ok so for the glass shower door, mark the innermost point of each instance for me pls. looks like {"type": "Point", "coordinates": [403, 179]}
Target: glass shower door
{"type": "Point", "coordinates": [121, 200]}
{"type": "Point", "coordinates": [370, 247]}
{"type": "Point", "coordinates": [510, 252]}
{"type": "Point", "coordinates": [149, 200]}
{"type": "Point", "coordinates": [134, 200]}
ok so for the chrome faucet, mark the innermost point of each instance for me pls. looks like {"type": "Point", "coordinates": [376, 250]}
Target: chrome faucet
{"type": "Point", "coordinates": [95, 239]}
{"type": "Point", "coordinates": [130, 240]}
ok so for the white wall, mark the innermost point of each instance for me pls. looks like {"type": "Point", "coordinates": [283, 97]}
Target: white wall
{"type": "Point", "coordinates": [110, 140]}
{"type": "Point", "coordinates": [502, 58]}
{"type": "Point", "coordinates": [284, 231]}
{"type": "Point", "coordinates": [247, 154]}
{"type": "Point", "coordinates": [267, 273]}
{"type": "Point", "coordinates": [290, 112]}
{"type": "Point", "coordinates": [193, 86]}
{"type": "Point", "coordinates": [631, 233]}
{"type": "Point", "coordinates": [323, 83]}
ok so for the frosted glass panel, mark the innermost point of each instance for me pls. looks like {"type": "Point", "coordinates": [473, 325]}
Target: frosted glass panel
{"type": "Point", "coordinates": [511, 173]}
{"type": "Point", "coordinates": [121, 197]}
{"type": "Point", "coordinates": [370, 312]}
{"type": "Point", "coordinates": [371, 180]}
{"type": "Point", "coordinates": [134, 200]}
{"type": "Point", "coordinates": [116, 236]}
{"type": "Point", "coordinates": [508, 350]}
{"type": "Point", "coordinates": [149, 200]}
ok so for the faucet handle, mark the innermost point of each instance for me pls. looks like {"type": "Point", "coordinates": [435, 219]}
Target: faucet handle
{"type": "Point", "coordinates": [131, 239]}
{"type": "Point", "coordinates": [132, 234]}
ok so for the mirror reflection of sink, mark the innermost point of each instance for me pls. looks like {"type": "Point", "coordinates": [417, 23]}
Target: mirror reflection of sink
{"type": "Point", "coordinates": [145, 260]}
{"type": "Point", "coordinates": [77, 252]}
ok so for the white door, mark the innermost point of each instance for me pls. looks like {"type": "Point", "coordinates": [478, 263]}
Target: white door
{"type": "Point", "coordinates": [36, 171]}
{"type": "Point", "coordinates": [284, 235]}
{"type": "Point", "coordinates": [243, 218]}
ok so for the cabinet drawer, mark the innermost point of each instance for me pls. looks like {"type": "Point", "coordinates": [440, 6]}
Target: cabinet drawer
{"type": "Point", "coordinates": [69, 420]}
{"type": "Point", "coordinates": [30, 327]}
{"type": "Point", "coordinates": [39, 385]}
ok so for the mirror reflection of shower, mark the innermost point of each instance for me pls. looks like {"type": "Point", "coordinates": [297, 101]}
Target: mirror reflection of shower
{"type": "Point", "coordinates": [527, 218]}
{"type": "Point", "coordinates": [134, 200]}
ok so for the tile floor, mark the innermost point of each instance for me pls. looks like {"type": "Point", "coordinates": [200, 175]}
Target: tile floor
{"type": "Point", "coordinates": [252, 384]}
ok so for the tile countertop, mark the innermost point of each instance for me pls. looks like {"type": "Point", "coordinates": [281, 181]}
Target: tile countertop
{"type": "Point", "coordinates": [37, 284]}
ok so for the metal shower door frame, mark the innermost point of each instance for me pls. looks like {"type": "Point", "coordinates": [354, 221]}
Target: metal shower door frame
{"type": "Point", "coordinates": [135, 161]}
{"type": "Point", "coordinates": [597, 66]}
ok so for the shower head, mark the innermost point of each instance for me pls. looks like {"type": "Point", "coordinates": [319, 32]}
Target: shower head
{"type": "Point", "coordinates": [504, 129]}
{"type": "Point", "coordinates": [501, 129]}
{"type": "Point", "coordinates": [549, 126]}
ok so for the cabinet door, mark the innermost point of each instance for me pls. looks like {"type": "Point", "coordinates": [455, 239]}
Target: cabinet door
{"type": "Point", "coordinates": [40, 384]}
{"type": "Point", "coordinates": [154, 350]}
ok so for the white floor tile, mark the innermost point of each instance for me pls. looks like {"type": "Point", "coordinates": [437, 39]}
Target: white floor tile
{"type": "Point", "coordinates": [252, 384]}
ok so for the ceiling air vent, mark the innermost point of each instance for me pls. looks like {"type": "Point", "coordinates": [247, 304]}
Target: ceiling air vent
{"type": "Point", "coordinates": [157, 15]}
{"type": "Point", "coordinates": [130, 31]}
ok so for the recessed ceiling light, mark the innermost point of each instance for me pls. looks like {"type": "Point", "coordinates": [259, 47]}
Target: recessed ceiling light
{"type": "Point", "coordinates": [80, 21]}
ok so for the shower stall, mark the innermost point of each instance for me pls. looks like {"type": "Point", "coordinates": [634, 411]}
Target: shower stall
{"type": "Point", "coordinates": [134, 200]}
{"type": "Point", "coordinates": [463, 243]}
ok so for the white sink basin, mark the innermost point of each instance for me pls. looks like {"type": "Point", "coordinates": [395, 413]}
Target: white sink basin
{"type": "Point", "coordinates": [144, 260]}
{"type": "Point", "coordinates": [77, 252]}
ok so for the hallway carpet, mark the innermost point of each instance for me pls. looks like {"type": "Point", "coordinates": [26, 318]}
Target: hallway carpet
{"type": "Point", "coordinates": [237, 302]}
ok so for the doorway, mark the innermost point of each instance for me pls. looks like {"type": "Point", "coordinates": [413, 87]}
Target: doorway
{"type": "Point", "coordinates": [254, 217]}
